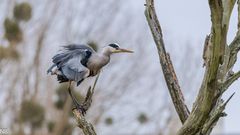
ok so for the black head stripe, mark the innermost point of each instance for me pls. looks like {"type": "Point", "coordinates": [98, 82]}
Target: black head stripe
{"type": "Point", "coordinates": [85, 59]}
{"type": "Point", "coordinates": [114, 46]}
{"type": "Point", "coordinates": [88, 54]}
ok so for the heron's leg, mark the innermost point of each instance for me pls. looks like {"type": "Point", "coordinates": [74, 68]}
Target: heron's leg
{"type": "Point", "coordinates": [77, 105]}
{"type": "Point", "coordinates": [70, 93]}
{"type": "Point", "coordinates": [79, 82]}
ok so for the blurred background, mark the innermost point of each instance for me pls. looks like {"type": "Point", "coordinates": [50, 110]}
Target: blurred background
{"type": "Point", "coordinates": [131, 97]}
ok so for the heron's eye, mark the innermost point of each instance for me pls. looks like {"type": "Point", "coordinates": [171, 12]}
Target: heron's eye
{"type": "Point", "coordinates": [114, 46]}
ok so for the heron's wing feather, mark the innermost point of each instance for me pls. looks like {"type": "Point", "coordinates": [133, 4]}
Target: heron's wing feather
{"type": "Point", "coordinates": [70, 60]}
{"type": "Point", "coordinates": [61, 58]}
{"type": "Point", "coordinates": [71, 51]}
{"type": "Point", "coordinates": [75, 64]}
{"type": "Point", "coordinates": [78, 47]}
{"type": "Point", "coordinates": [74, 70]}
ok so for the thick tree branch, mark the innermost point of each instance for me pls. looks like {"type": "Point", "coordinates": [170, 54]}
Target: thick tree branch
{"type": "Point", "coordinates": [217, 40]}
{"type": "Point", "coordinates": [82, 123]}
{"type": "Point", "coordinates": [166, 64]}
{"type": "Point", "coordinates": [209, 91]}
{"type": "Point", "coordinates": [206, 50]}
{"type": "Point", "coordinates": [216, 59]}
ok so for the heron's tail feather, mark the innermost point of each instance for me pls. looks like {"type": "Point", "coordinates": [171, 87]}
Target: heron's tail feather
{"type": "Point", "coordinates": [62, 78]}
{"type": "Point", "coordinates": [50, 70]}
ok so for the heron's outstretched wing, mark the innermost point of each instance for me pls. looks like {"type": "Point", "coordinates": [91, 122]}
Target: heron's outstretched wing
{"type": "Point", "coordinates": [72, 61]}
{"type": "Point", "coordinates": [72, 50]}
{"type": "Point", "coordinates": [78, 47]}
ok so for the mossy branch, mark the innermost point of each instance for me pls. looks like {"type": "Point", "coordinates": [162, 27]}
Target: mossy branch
{"type": "Point", "coordinates": [82, 123]}
{"type": "Point", "coordinates": [206, 109]}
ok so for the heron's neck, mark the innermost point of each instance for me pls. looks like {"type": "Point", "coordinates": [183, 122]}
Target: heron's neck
{"type": "Point", "coordinates": [106, 52]}
{"type": "Point", "coordinates": [97, 61]}
{"type": "Point", "coordinates": [105, 56]}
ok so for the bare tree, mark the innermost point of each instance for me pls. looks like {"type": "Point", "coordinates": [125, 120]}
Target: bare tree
{"type": "Point", "coordinates": [219, 58]}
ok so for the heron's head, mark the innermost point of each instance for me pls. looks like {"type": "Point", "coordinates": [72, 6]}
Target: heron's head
{"type": "Point", "coordinates": [114, 48]}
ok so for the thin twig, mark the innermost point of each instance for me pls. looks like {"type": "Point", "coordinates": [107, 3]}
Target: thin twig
{"type": "Point", "coordinates": [86, 127]}
{"type": "Point", "coordinates": [230, 81]}
{"type": "Point", "coordinates": [215, 116]}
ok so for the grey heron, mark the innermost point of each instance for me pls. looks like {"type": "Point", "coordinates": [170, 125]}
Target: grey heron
{"type": "Point", "coordinates": [78, 62]}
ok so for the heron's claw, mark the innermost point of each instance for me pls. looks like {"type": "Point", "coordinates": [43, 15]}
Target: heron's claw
{"type": "Point", "coordinates": [81, 109]}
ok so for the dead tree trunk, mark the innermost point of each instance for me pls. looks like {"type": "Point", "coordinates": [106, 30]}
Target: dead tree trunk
{"type": "Point", "coordinates": [219, 58]}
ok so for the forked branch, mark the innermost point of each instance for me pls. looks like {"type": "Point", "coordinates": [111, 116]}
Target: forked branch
{"type": "Point", "coordinates": [207, 108]}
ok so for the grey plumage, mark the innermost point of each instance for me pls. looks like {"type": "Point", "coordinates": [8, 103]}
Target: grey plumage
{"type": "Point", "coordinates": [77, 62]}
{"type": "Point", "coordinates": [68, 63]}
{"type": "Point", "coordinates": [72, 51]}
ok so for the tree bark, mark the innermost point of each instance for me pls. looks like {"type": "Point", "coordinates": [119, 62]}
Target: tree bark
{"type": "Point", "coordinates": [219, 58]}
{"type": "Point", "coordinates": [166, 63]}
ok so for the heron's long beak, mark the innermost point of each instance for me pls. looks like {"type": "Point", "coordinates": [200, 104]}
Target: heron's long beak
{"type": "Point", "coordinates": [122, 50]}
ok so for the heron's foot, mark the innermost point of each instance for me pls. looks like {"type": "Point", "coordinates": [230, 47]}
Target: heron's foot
{"type": "Point", "coordinates": [81, 109]}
